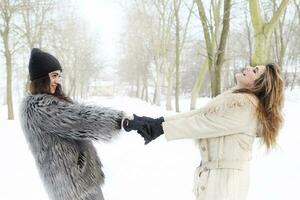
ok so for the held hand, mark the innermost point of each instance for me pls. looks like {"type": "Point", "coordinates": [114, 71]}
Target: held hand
{"type": "Point", "coordinates": [142, 127]}
{"type": "Point", "coordinates": [149, 128]}
{"type": "Point", "coordinates": [156, 128]}
{"type": "Point", "coordinates": [134, 124]}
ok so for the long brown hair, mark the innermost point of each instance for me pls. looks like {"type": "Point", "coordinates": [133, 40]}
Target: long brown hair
{"type": "Point", "coordinates": [42, 86]}
{"type": "Point", "coordinates": [269, 89]}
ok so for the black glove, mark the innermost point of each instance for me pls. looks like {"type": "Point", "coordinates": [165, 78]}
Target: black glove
{"type": "Point", "coordinates": [140, 126]}
{"type": "Point", "coordinates": [155, 126]}
{"type": "Point", "coordinates": [130, 125]}
{"type": "Point", "coordinates": [149, 128]}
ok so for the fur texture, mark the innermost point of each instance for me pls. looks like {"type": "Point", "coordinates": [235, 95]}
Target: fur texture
{"type": "Point", "coordinates": [227, 101]}
{"type": "Point", "coordinates": [59, 135]}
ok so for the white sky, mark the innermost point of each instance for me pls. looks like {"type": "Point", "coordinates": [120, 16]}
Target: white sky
{"type": "Point", "coordinates": [105, 16]}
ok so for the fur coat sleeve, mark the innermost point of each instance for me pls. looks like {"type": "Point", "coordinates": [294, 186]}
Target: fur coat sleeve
{"type": "Point", "coordinates": [227, 114]}
{"type": "Point", "coordinates": [72, 120]}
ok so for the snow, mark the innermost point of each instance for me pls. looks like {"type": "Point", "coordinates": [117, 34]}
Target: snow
{"type": "Point", "coordinates": [159, 170]}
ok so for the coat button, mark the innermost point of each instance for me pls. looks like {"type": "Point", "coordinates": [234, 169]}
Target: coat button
{"type": "Point", "coordinates": [202, 188]}
{"type": "Point", "coordinates": [203, 148]}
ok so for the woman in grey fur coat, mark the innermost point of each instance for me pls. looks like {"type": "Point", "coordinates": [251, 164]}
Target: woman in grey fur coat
{"type": "Point", "coordinates": [60, 133]}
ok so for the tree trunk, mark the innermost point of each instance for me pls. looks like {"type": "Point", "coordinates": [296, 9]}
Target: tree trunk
{"type": "Point", "coordinates": [177, 54]}
{"type": "Point", "coordinates": [211, 36]}
{"type": "Point", "coordinates": [146, 83]}
{"type": "Point", "coordinates": [221, 47]}
{"type": "Point", "coordinates": [262, 44]}
{"type": "Point", "coordinates": [249, 37]}
{"type": "Point", "coordinates": [138, 86]}
{"type": "Point", "coordinates": [263, 30]}
{"type": "Point", "coordinates": [169, 93]}
{"type": "Point", "coordinates": [10, 110]}
{"type": "Point", "coordinates": [7, 10]}
{"type": "Point", "coordinates": [197, 86]}
{"type": "Point", "coordinates": [158, 83]}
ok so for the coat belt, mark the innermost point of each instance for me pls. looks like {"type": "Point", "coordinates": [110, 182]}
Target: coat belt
{"type": "Point", "coordinates": [222, 164]}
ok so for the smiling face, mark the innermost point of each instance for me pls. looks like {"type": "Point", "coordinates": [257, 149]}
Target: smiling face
{"type": "Point", "coordinates": [55, 77]}
{"type": "Point", "coordinates": [247, 77]}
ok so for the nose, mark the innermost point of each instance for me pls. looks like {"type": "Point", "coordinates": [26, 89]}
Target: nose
{"type": "Point", "coordinates": [58, 80]}
{"type": "Point", "coordinates": [247, 69]}
{"type": "Point", "coordinates": [55, 81]}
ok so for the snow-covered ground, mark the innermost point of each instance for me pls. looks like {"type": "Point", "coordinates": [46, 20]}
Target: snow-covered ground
{"type": "Point", "coordinates": [161, 170]}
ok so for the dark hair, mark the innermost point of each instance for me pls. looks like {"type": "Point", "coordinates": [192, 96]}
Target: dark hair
{"type": "Point", "coordinates": [269, 90]}
{"type": "Point", "coordinates": [42, 86]}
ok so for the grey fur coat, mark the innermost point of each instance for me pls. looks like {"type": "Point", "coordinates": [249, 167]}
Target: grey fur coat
{"type": "Point", "coordinates": [60, 137]}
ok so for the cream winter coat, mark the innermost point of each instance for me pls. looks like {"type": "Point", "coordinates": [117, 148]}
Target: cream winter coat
{"type": "Point", "coordinates": [225, 130]}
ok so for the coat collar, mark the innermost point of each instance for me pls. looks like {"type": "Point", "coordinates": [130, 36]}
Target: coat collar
{"type": "Point", "coordinates": [250, 97]}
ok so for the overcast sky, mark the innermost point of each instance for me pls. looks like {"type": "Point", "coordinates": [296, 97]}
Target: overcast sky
{"type": "Point", "coordinates": [107, 18]}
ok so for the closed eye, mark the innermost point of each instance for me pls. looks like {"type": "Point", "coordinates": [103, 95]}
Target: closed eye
{"type": "Point", "coordinates": [255, 70]}
{"type": "Point", "coordinates": [56, 75]}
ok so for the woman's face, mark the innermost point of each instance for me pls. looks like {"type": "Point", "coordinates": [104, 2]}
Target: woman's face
{"type": "Point", "coordinates": [54, 80]}
{"type": "Point", "coordinates": [247, 77]}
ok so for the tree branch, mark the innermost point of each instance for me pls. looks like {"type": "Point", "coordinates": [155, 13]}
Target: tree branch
{"type": "Point", "coordinates": [204, 25]}
{"type": "Point", "coordinates": [256, 18]}
{"type": "Point", "coordinates": [224, 34]}
{"type": "Point", "coordinates": [186, 26]}
{"type": "Point", "coordinates": [270, 25]}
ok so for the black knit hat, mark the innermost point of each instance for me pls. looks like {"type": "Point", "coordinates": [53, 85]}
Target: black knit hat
{"type": "Point", "coordinates": [42, 63]}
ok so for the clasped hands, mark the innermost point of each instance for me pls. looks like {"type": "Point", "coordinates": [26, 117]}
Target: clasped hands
{"type": "Point", "coordinates": [149, 128]}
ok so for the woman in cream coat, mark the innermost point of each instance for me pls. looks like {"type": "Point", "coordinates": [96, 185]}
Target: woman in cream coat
{"type": "Point", "coordinates": [225, 130]}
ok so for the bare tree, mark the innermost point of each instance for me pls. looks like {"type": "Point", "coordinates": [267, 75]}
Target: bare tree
{"type": "Point", "coordinates": [179, 43]}
{"type": "Point", "coordinates": [7, 10]}
{"type": "Point", "coordinates": [161, 38]}
{"type": "Point", "coordinates": [249, 36]}
{"type": "Point", "coordinates": [138, 50]}
{"type": "Point", "coordinates": [177, 4]}
{"type": "Point", "coordinates": [263, 30]}
{"type": "Point", "coordinates": [34, 20]}
{"type": "Point", "coordinates": [69, 39]}
{"type": "Point", "coordinates": [292, 75]}
{"type": "Point", "coordinates": [198, 83]}
{"type": "Point", "coordinates": [215, 45]}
